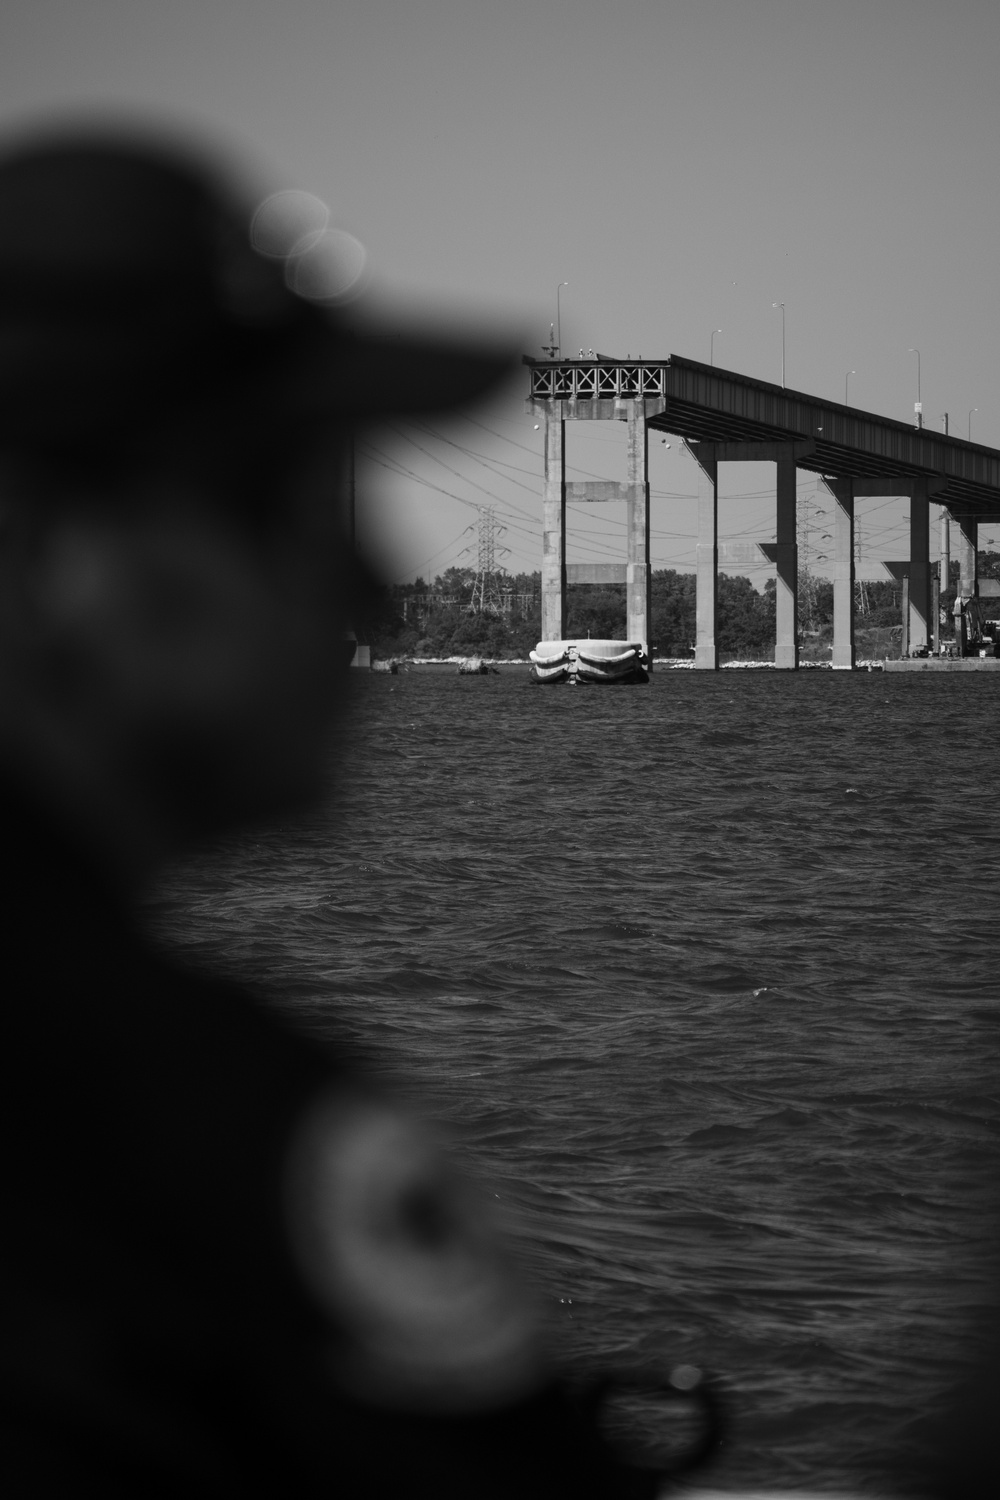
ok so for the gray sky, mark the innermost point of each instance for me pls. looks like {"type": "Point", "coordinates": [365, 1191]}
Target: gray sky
{"type": "Point", "coordinates": [682, 164]}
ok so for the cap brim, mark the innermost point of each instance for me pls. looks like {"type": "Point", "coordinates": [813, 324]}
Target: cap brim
{"type": "Point", "coordinates": [370, 375]}
{"type": "Point", "coordinates": [131, 292]}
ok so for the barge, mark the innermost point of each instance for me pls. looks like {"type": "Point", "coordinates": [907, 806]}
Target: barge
{"type": "Point", "coordinates": [590, 661]}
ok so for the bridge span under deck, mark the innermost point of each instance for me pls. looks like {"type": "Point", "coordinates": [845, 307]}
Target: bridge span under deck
{"type": "Point", "coordinates": [728, 418]}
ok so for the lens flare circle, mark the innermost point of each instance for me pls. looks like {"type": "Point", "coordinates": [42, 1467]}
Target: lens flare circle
{"type": "Point", "coordinates": [327, 265]}
{"type": "Point", "coordinates": [284, 219]}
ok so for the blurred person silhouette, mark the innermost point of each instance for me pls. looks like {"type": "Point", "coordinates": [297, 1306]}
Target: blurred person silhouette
{"type": "Point", "coordinates": [230, 1266]}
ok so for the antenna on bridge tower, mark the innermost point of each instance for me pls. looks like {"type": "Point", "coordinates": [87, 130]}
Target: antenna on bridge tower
{"type": "Point", "coordinates": [487, 598]}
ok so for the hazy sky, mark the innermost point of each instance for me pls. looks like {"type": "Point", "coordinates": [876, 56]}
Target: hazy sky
{"type": "Point", "coordinates": [682, 164]}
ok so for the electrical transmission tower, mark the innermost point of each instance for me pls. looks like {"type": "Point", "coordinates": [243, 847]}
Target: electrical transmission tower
{"type": "Point", "coordinates": [861, 600]}
{"type": "Point", "coordinates": [487, 597]}
{"type": "Point", "coordinates": [811, 519]}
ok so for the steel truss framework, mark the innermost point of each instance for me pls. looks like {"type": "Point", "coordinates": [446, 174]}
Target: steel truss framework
{"type": "Point", "coordinates": [580, 382]}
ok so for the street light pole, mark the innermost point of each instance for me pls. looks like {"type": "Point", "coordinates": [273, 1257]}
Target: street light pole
{"type": "Point", "coordinates": [846, 379]}
{"type": "Point", "coordinates": [919, 408]}
{"type": "Point", "coordinates": [975, 408]}
{"type": "Point", "coordinates": [711, 346]}
{"type": "Point", "coordinates": [559, 316]}
{"type": "Point", "coordinates": [782, 306]}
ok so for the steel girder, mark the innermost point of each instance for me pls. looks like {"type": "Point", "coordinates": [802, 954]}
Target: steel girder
{"type": "Point", "coordinates": [703, 403]}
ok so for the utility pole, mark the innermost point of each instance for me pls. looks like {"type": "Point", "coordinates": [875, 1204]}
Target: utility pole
{"type": "Point", "coordinates": [782, 306]}
{"type": "Point", "coordinates": [559, 317]}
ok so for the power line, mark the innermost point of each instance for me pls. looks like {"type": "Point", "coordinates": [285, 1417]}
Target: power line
{"type": "Point", "coordinates": [446, 548]}
{"type": "Point", "coordinates": [434, 457]}
{"type": "Point", "coordinates": [394, 467]}
{"type": "Point", "coordinates": [594, 541]}
{"type": "Point", "coordinates": [374, 455]}
{"type": "Point", "coordinates": [576, 468]}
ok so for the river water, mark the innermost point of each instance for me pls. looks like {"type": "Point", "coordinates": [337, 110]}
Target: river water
{"type": "Point", "coordinates": [701, 976]}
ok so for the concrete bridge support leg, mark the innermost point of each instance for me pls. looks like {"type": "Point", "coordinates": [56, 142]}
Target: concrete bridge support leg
{"type": "Point", "coordinates": [967, 535]}
{"type": "Point", "coordinates": [843, 573]}
{"type": "Point", "coordinates": [920, 625]}
{"type": "Point", "coordinates": [706, 640]}
{"type": "Point", "coordinates": [554, 527]}
{"type": "Point", "coordinates": [638, 621]}
{"type": "Point", "coordinates": [786, 650]}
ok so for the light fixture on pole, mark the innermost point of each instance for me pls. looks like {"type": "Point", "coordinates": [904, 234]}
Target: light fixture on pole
{"type": "Point", "coordinates": [782, 306]}
{"type": "Point", "coordinates": [711, 346]}
{"type": "Point", "coordinates": [559, 316]}
{"type": "Point", "coordinates": [975, 408]}
{"type": "Point", "coordinates": [944, 418]}
{"type": "Point", "coordinates": [846, 379]}
{"type": "Point", "coordinates": [919, 407]}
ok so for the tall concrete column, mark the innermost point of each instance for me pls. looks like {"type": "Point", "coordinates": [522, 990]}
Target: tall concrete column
{"type": "Point", "coordinates": [920, 630]}
{"type": "Point", "coordinates": [843, 572]}
{"type": "Point", "coordinates": [638, 622]}
{"type": "Point", "coordinates": [786, 648]}
{"type": "Point", "coordinates": [554, 526]}
{"type": "Point", "coordinates": [967, 528]}
{"type": "Point", "coordinates": [706, 640]}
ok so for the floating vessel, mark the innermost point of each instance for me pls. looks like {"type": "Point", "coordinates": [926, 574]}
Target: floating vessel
{"type": "Point", "coordinates": [475, 666]}
{"type": "Point", "coordinates": [589, 661]}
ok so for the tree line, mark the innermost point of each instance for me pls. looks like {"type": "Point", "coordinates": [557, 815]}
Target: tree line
{"type": "Point", "coordinates": [438, 618]}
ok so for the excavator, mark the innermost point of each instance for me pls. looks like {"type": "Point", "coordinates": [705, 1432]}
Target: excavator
{"type": "Point", "coordinates": [977, 632]}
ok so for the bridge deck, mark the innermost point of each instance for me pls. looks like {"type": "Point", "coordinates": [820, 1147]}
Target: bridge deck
{"type": "Point", "coordinates": [704, 403]}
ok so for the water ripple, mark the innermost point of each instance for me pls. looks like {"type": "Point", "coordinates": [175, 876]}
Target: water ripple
{"type": "Point", "coordinates": [701, 977]}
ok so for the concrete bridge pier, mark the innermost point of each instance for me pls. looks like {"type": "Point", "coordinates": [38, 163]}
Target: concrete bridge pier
{"type": "Point", "coordinates": [554, 525]}
{"type": "Point", "coordinates": [784, 553]}
{"type": "Point", "coordinates": [968, 568]}
{"type": "Point", "coordinates": [914, 571]}
{"type": "Point", "coordinates": [638, 573]}
{"type": "Point", "coordinates": [706, 641]}
{"type": "Point", "coordinates": [842, 491]}
{"type": "Point", "coordinates": [786, 557]}
{"type": "Point", "coordinates": [921, 626]}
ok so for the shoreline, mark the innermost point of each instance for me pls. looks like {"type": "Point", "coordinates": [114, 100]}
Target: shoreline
{"type": "Point", "coordinates": [394, 665]}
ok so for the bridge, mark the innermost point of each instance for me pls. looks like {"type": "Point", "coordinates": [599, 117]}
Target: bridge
{"type": "Point", "coordinates": [728, 418]}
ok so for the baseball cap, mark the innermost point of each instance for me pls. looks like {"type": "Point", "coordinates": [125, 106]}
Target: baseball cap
{"type": "Point", "coordinates": [132, 294]}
